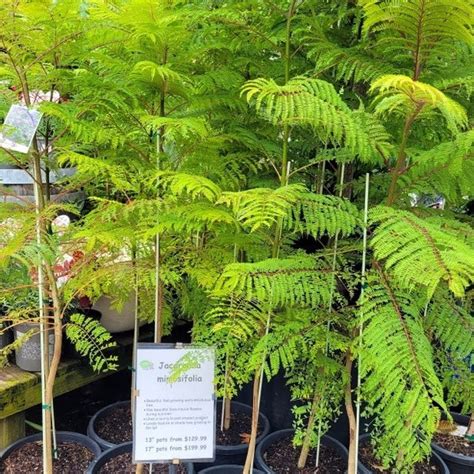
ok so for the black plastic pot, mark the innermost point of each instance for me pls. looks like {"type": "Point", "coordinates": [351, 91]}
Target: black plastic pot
{"type": "Point", "coordinates": [5, 336]}
{"type": "Point", "coordinates": [61, 436]}
{"type": "Point", "coordinates": [276, 403]}
{"type": "Point", "coordinates": [95, 467]}
{"type": "Point", "coordinates": [277, 406]}
{"type": "Point", "coordinates": [236, 454]}
{"type": "Point", "coordinates": [227, 469]}
{"type": "Point", "coordinates": [277, 435]}
{"type": "Point", "coordinates": [457, 463]}
{"type": "Point", "coordinates": [104, 444]}
{"type": "Point", "coordinates": [437, 460]}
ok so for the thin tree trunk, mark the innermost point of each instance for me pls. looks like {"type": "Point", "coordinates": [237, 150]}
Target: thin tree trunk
{"type": "Point", "coordinates": [253, 431]}
{"type": "Point", "coordinates": [46, 394]}
{"type": "Point", "coordinates": [227, 412]}
{"type": "Point", "coordinates": [309, 429]}
{"type": "Point", "coordinates": [54, 364]}
{"type": "Point", "coordinates": [53, 370]}
{"type": "Point", "coordinates": [398, 170]}
{"type": "Point", "coordinates": [470, 427]}
{"type": "Point", "coordinates": [351, 467]}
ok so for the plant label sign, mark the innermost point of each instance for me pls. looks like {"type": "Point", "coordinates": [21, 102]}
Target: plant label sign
{"type": "Point", "coordinates": [19, 128]}
{"type": "Point", "coordinates": [174, 404]}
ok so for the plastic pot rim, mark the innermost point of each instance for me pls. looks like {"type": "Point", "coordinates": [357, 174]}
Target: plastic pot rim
{"type": "Point", "coordinates": [242, 447]}
{"type": "Point", "coordinates": [91, 433]}
{"type": "Point", "coordinates": [226, 467]}
{"type": "Point", "coordinates": [61, 436]}
{"type": "Point", "coordinates": [451, 456]}
{"type": "Point", "coordinates": [261, 464]}
{"type": "Point", "coordinates": [121, 449]}
{"type": "Point", "coordinates": [365, 470]}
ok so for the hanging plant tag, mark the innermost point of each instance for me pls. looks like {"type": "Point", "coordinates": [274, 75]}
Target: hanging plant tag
{"type": "Point", "coordinates": [19, 128]}
{"type": "Point", "coordinates": [174, 404]}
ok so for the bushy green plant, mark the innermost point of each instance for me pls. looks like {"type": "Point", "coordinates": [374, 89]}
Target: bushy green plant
{"type": "Point", "coordinates": [224, 148]}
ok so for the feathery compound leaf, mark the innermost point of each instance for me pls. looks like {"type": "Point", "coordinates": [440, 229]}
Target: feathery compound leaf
{"type": "Point", "coordinates": [190, 218]}
{"type": "Point", "coordinates": [419, 30]}
{"type": "Point", "coordinates": [451, 324]}
{"type": "Point", "coordinates": [451, 327]}
{"type": "Point", "coordinates": [194, 186]}
{"type": "Point", "coordinates": [315, 103]}
{"type": "Point", "coordinates": [93, 341]}
{"type": "Point", "coordinates": [317, 214]}
{"type": "Point", "coordinates": [399, 382]}
{"type": "Point", "coordinates": [349, 63]}
{"type": "Point", "coordinates": [278, 281]}
{"type": "Point", "coordinates": [421, 252]}
{"type": "Point", "coordinates": [160, 74]}
{"type": "Point", "coordinates": [402, 95]}
{"type": "Point", "coordinates": [236, 317]}
{"type": "Point", "coordinates": [445, 169]}
{"type": "Point", "coordinates": [262, 207]}
{"type": "Point", "coordinates": [177, 128]}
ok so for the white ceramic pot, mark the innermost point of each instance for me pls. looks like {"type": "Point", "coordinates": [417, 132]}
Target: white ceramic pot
{"type": "Point", "coordinates": [116, 320]}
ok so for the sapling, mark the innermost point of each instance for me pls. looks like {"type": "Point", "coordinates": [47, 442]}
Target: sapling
{"type": "Point", "coordinates": [19, 21]}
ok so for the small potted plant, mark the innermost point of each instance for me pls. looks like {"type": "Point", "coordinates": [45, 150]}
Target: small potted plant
{"type": "Point", "coordinates": [277, 453]}
{"type": "Point", "coordinates": [75, 452]}
{"type": "Point", "coordinates": [219, 328]}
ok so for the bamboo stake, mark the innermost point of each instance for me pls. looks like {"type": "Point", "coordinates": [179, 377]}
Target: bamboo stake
{"type": "Point", "coordinates": [258, 381]}
{"type": "Point", "coordinates": [331, 297]}
{"type": "Point", "coordinates": [361, 323]}
{"type": "Point", "coordinates": [44, 333]}
{"type": "Point", "coordinates": [136, 329]}
{"type": "Point", "coordinates": [226, 403]}
{"type": "Point", "coordinates": [323, 172]}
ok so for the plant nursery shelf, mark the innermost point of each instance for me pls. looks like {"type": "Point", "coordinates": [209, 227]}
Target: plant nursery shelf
{"type": "Point", "coordinates": [20, 390]}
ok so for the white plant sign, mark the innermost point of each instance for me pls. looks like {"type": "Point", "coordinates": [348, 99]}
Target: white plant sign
{"type": "Point", "coordinates": [174, 410]}
{"type": "Point", "coordinates": [19, 128]}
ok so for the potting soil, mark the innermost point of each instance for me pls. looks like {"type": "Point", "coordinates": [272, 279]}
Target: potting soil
{"type": "Point", "coordinates": [239, 429]}
{"type": "Point", "coordinates": [123, 464]}
{"type": "Point", "coordinates": [367, 458]}
{"type": "Point", "coordinates": [282, 458]}
{"type": "Point", "coordinates": [115, 426]}
{"type": "Point", "coordinates": [455, 444]}
{"type": "Point", "coordinates": [73, 458]}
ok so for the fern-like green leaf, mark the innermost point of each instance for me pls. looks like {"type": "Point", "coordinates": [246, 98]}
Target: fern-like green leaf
{"type": "Point", "coordinates": [399, 382]}
{"type": "Point", "coordinates": [92, 341]}
{"type": "Point", "coordinates": [279, 282]}
{"type": "Point", "coordinates": [421, 252]}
